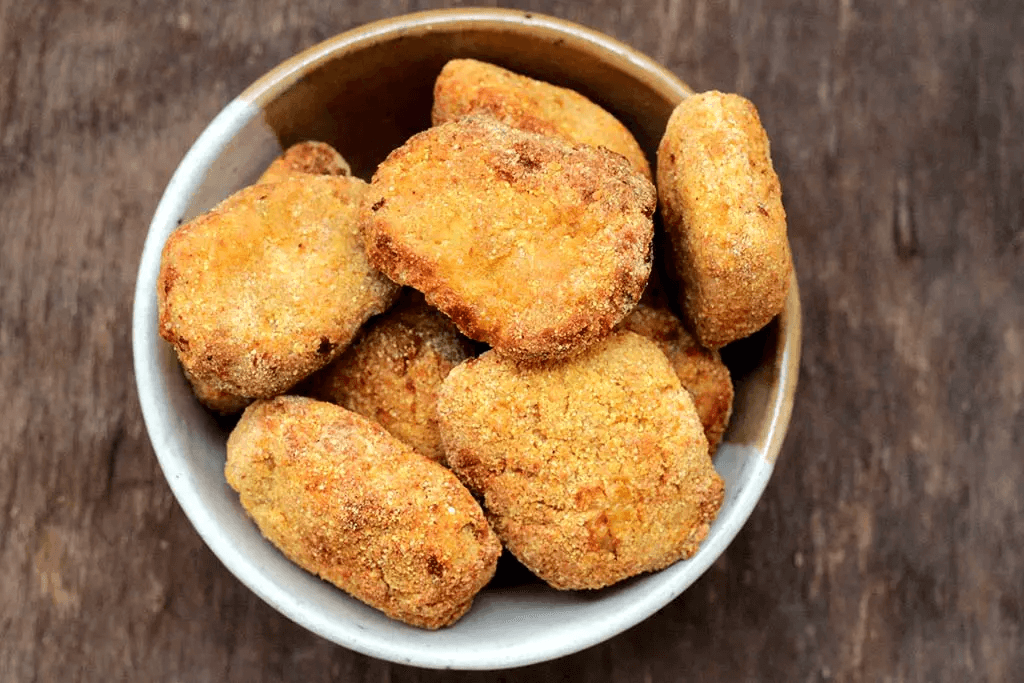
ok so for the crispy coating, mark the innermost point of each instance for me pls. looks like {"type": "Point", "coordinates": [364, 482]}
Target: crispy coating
{"type": "Point", "coordinates": [269, 286]}
{"type": "Point", "coordinates": [592, 469]}
{"type": "Point", "coordinates": [393, 370]}
{"type": "Point", "coordinates": [306, 158]}
{"type": "Point", "coordinates": [701, 371]}
{"type": "Point", "coordinates": [345, 500]}
{"type": "Point", "coordinates": [467, 86]}
{"type": "Point", "coordinates": [218, 401]}
{"type": "Point", "coordinates": [531, 244]}
{"type": "Point", "coordinates": [722, 208]}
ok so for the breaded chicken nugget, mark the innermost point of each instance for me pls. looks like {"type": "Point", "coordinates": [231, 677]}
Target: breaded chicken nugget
{"type": "Point", "coordinates": [722, 208]}
{"type": "Point", "coordinates": [701, 371]}
{"type": "Point", "coordinates": [531, 244]}
{"type": "Point", "coordinates": [269, 286]}
{"type": "Point", "coordinates": [218, 401]}
{"type": "Point", "coordinates": [466, 86]}
{"type": "Point", "coordinates": [393, 370]}
{"type": "Point", "coordinates": [306, 158]}
{"type": "Point", "coordinates": [592, 469]}
{"type": "Point", "coordinates": [347, 501]}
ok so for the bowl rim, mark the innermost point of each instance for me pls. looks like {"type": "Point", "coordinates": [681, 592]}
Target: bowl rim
{"type": "Point", "coordinates": [282, 77]}
{"type": "Point", "coordinates": [179, 192]}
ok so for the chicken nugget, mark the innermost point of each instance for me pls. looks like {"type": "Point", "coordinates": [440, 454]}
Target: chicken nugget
{"type": "Point", "coordinates": [467, 86]}
{"type": "Point", "coordinates": [592, 469]}
{"type": "Point", "coordinates": [218, 401]}
{"type": "Point", "coordinates": [306, 158]}
{"type": "Point", "coordinates": [531, 244]}
{"type": "Point", "coordinates": [393, 370]}
{"type": "Point", "coordinates": [722, 208]}
{"type": "Point", "coordinates": [701, 371]}
{"type": "Point", "coordinates": [269, 286]}
{"type": "Point", "coordinates": [347, 501]}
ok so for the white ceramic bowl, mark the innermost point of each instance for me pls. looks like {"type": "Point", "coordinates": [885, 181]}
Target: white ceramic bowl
{"type": "Point", "coordinates": [366, 91]}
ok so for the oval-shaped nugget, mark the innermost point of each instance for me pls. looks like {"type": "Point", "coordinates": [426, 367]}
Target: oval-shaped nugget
{"type": "Point", "coordinates": [531, 244]}
{"type": "Point", "coordinates": [393, 370]}
{"type": "Point", "coordinates": [592, 469]}
{"type": "Point", "coordinates": [468, 86]}
{"type": "Point", "coordinates": [701, 371]}
{"type": "Point", "coordinates": [306, 158]}
{"type": "Point", "coordinates": [722, 208]}
{"type": "Point", "coordinates": [347, 501]}
{"type": "Point", "coordinates": [269, 286]}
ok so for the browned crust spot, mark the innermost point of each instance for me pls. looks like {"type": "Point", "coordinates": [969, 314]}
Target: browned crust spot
{"type": "Point", "coordinates": [310, 157]}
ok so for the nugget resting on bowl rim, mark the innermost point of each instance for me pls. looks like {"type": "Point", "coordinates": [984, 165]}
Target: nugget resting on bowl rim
{"type": "Point", "coordinates": [592, 469]}
{"type": "Point", "coordinates": [347, 501]}
{"type": "Point", "coordinates": [531, 244]}
{"type": "Point", "coordinates": [469, 86]}
{"type": "Point", "coordinates": [721, 204]}
{"type": "Point", "coordinates": [269, 286]}
{"type": "Point", "coordinates": [393, 370]}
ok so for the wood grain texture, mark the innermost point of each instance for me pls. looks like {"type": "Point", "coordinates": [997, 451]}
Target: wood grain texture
{"type": "Point", "coordinates": [887, 544]}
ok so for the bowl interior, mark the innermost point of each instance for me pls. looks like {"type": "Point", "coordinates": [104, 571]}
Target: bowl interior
{"type": "Point", "coordinates": [366, 92]}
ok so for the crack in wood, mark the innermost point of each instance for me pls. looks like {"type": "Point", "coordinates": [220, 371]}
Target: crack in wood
{"type": "Point", "coordinates": [111, 459]}
{"type": "Point", "coordinates": [6, 508]}
{"type": "Point", "coordinates": [904, 229]}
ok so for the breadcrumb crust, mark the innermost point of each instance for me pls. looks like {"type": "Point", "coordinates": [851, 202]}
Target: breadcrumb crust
{"type": "Point", "coordinates": [269, 286]}
{"type": "Point", "coordinates": [393, 370]}
{"type": "Point", "coordinates": [721, 204]}
{"type": "Point", "coordinates": [701, 371]}
{"type": "Point", "coordinates": [528, 243]}
{"type": "Point", "coordinates": [468, 86]}
{"type": "Point", "coordinates": [591, 470]}
{"type": "Point", "coordinates": [347, 501]}
{"type": "Point", "coordinates": [306, 158]}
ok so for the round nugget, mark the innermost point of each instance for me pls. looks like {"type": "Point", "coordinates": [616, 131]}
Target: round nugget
{"type": "Point", "coordinates": [347, 501]}
{"type": "Point", "coordinates": [701, 371]}
{"type": "Point", "coordinates": [591, 470]}
{"type": "Point", "coordinates": [306, 158]}
{"type": "Point", "coordinates": [722, 208]}
{"type": "Point", "coordinates": [466, 86]}
{"type": "Point", "coordinates": [393, 370]}
{"type": "Point", "coordinates": [531, 244]}
{"type": "Point", "coordinates": [269, 286]}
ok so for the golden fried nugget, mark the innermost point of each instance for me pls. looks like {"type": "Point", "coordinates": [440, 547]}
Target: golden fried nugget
{"type": "Point", "coordinates": [466, 86]}
{"type": "Point", "coordinates": [306, 158]}
{"type": "Point", "coordinates": [722, 209]}
{"type": "Point", "coordinates": [393, 370]}
{"type": "Point", "coordinates": [531, 244]}
{"type": "Point", "coordinates": [218, 401]}
{"type": "Point", "coordinates": [347, 501]}
{"type": "Point", "coordinates": [701, 371]}
{"type": "Point", "coordinates": [592, 469]}
{"type": "Point", "coordinates": [269, 286]}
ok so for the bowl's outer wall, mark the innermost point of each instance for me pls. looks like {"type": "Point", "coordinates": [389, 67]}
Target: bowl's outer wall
{"type": "Point", "coordinates": [366, 92]}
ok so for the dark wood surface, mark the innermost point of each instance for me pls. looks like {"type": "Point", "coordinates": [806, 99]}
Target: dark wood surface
{"type": "Point", "coordinates": [888, 543]}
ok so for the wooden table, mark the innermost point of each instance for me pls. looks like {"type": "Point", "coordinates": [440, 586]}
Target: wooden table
{"type": "Point", "coordinates": [888, 544]}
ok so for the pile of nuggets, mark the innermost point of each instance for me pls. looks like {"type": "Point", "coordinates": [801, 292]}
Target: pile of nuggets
{"type": "Point", "coordinates": [456, 357]}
